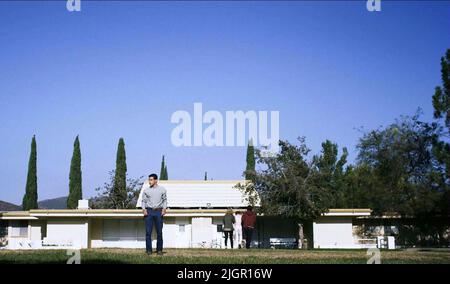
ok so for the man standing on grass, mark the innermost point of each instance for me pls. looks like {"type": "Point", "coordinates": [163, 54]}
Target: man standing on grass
{"type": "Point", "coordinates": [154, 204]}
{"type": "Point", "coordinates": [248, 224]}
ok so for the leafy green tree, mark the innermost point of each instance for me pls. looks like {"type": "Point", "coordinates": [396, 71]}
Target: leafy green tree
{"type": "Point", "coordinates": [330, 173]}
{"type": "Point", "coordinates": [441, 104]}
{"type": "Point", "coordinates": [30, 199]}
{"type": "Point", "coordinates": [75, 179]}
{"type": "Point", "coordinates": [285, 185]}
{"type": "Point", "coordinates": [401, 173]}
{"type": "Point", "coordinates": [108, 199]}
{"type": "Point", "coordinates": [120, 178]}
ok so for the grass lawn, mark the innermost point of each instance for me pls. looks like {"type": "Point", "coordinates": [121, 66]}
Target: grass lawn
{"type": "Point", "coordinates": [206, 256]}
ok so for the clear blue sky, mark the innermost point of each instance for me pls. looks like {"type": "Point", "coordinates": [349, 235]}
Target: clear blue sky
{"type": "Point", "coordinates": [120, 69]}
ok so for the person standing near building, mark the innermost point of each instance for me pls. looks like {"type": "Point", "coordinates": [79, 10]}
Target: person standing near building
{"type": "Point", "coordinates": [228, 226]}
{"type": "Point", "coordinates": [154, 204]}
{"type": "Point", "coordinates": [238, 228]}
{"type": "Point", "coordinates": [248, 225]}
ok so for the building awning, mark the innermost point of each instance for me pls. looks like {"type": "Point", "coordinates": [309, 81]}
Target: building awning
{"type": "Point", "coordinates": [35, 214]}
{"type": "Point", "coordinates": [16, 215]}
{"type": "Point", "coordinates": [351, 212]}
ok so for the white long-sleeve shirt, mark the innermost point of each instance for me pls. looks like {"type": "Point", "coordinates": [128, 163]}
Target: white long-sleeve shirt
{"type": "Point", "coordinates": [152, 197]}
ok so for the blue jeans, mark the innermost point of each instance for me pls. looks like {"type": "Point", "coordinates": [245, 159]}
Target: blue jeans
{"type": "Point", "coordinates": [153, 216]}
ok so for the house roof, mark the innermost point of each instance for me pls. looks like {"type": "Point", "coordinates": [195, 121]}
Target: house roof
{"type": "Point", "coordinates": [203, 194]}
{"type": "Point", "coordinates": [184, 181]}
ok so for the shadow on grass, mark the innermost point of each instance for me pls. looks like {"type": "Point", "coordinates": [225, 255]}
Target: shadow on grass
{"type": "Point", "coordinates": [90, 261]}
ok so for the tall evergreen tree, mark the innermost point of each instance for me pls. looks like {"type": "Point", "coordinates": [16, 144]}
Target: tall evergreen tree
{"type": "Point", "coordinates": [166, 175]}
{"type": "Point", "coordinates": [31, 196]}
{"type": "Point", "coordinates": [250, 169]}
{"type": "Point", "coordinates": [206, 175]}
{"type": "Point", "coordinates": [162, 172]}
{"type": "Point", "coordinates": [120, 178]}
{"type": "Point", "coordinates": [441, 104]}
{"type": "Point", "coordinates": [75, 184]}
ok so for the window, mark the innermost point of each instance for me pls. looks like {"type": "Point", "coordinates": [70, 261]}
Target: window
{"type": "Point", "coordinates": [3, 228]}
{"type": "Point", "coordinates": [111, 230]}
{"type": "Point", "coordinates": [181, 228]}
{"type": "Point", "coordinates": [128, 230]}
{"type": "Point", "coordinates": [19, 228]}
{"type": "Point", "coordinates": [123, 230]}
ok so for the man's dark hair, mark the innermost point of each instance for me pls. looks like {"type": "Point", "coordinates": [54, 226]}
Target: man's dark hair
{"type": "Point", "coordinates": [249, 208]}
{"type": "Point", "coordinates": [155, 176]}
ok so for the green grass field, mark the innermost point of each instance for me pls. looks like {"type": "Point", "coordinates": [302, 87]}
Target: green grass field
{"type": "Point", "coordinates": [209, 256]}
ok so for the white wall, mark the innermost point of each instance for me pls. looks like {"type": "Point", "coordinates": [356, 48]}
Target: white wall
{"type": "Point", "coordinates": [68, 230]}
{"type": "Point", "coordinates": [333, 232]}
{"type": "Point", "coordinates": [202, 232]}
{"type": "Point", "coordinates": [183, 233]}
{"type": "Point", "coordinates": [218, 236]}
{"type": "Point", "coordinates": [36, 230]}
{"type": "Point", "coordinates": [130, 233]}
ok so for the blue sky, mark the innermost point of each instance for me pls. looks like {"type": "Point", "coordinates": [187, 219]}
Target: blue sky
{"type": "Point", "coordinates": [120, 69]}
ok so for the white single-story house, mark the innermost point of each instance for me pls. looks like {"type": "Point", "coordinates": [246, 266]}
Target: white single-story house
{"type": "Point", "coordinates": [193, 220]}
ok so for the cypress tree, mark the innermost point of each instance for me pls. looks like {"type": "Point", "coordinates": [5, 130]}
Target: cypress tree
{"type": "Point", "coordinates": [166, 175]}
{"type": "Point", "coordinates": [75, 184]}
{"type": "Point", "coordinates": [120, 178]}
{"type": "Point", "coordinates": [250, 169]}
{"type": "Point", "coordinates": [30, 198]}
{"type": "Point", "coordinates": [161, 172]}
{"type": "Point", "coordinates": [206, 175]}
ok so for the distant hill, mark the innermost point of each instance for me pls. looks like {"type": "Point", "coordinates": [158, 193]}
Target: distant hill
{"type": "Point", "coordinates": [6, 206]}
{"type": "Point", "coordinates": [54, 203]}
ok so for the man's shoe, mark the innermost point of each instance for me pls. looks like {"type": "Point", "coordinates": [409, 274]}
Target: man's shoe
{"type": "Point", "coordinates": [149, 253]}
{"type": "Point", "coordinates": [160, 253]}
